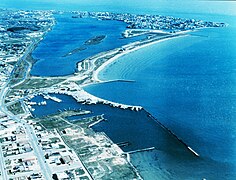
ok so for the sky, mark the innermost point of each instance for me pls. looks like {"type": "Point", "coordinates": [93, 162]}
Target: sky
{"type": "Point", "coordinates": [165, 6]}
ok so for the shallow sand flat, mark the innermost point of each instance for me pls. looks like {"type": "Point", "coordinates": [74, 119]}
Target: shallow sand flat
{"type": "Point", "coordinates": [135, 47]}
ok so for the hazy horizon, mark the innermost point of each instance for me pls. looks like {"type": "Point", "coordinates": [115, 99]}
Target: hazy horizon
{"type": "Point", "coordinates": [162, 6]}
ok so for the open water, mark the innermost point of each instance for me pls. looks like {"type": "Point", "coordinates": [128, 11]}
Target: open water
{"type": "Point", "coordinates": [51, 55]}
{"type": "Point", "coordinates": [188, 84]}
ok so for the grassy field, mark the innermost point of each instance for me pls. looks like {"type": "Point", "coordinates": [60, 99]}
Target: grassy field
{"type": "Point", "coordinates": [96, 151]}
{"type": "Point", "coordinates": [16, 108]}
{"type": "Point", "coordinates": [19, 72]}
{"type": "Point", "coordinates": [36, 83]}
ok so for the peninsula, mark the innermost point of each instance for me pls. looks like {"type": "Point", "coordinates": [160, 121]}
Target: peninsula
{"type": "Point", "coordinates": [52, 147]}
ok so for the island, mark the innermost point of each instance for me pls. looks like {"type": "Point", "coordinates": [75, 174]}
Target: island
{"type": "Point", "coordinates": [52, 147]}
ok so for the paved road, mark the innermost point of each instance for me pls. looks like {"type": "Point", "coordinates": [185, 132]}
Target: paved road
{"type": "Point", "coordinates": [31, 135]}
{"type": "Point", "coordinates": [29, 130]}
{"type": "Point", "coordinates": [2, 165]}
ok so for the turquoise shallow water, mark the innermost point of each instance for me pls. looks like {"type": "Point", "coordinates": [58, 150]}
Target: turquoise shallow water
{"type": "Point", "coordinates": [188, 84]}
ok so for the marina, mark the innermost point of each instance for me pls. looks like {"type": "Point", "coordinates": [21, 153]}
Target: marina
{"type": "Point", "coordinates": [142, 94]}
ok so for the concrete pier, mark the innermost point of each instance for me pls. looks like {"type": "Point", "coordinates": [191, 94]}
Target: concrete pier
{"type": "Point", "coordinates": [141, 150]}
{"type": "Point", "coordinates": [123, 144]}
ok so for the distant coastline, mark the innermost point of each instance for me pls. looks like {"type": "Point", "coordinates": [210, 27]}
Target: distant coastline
{"type": "Point", "coordinates": [17, 95]}
{"type": "Point", "coordinates": [95, 76]}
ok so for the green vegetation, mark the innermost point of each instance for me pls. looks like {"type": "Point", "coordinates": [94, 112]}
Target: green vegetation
{"type": "Point", "coordinates": [95, 40]}
{"type": "Point", "coordinates": [36, 83]}
{"type": "Point", "coordinates": [61, 146]}
{"type": "Point", "coordinates": [84, 178]}
{"type": "Point", "coordinates": [13, 93]}
{"type": "Point", "coordinates": [7, 162]}
{"type": "Point", "coordinates": [82, 48]}
{"type": "Point", "coordinates": [19, 72]}
{"type": "Point", "coordinates": [53, 123]}
{"type": "Point", "coordinates": [59, 120]}
{"type": "Point", "coordinates": [16, 108]}
{"type": "Point", "coordinates": [54, 140]}
{"type": "Point", "coordinates": [88, 145]}
{"type": "Point", "coordinates": [79, 171]}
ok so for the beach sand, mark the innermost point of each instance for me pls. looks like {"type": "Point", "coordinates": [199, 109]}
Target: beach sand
{"type": "Point", "coordinates": [131, 48]}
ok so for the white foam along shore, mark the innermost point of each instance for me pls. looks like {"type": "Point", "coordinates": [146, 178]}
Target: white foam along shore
{"type": "Point", "coordinates": [115, 54]}
{"type": "Point", "coordinates": [137, 46]}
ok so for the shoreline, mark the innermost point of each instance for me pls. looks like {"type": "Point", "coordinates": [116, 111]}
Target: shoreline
{"type": "Point", "coordinates": [95, 74]}
{"type": "Point", "coordinates": [88, 98]}
{"type": "Point", "coordinates": [72, 85]}
{"type": "Point", "coordinates": [95, 79]}
{"type": "Point", "coordinates": [92, 74]}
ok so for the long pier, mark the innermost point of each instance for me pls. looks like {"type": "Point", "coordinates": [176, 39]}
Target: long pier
{"type": "Point", "coordinates": [141, 150]}
{"type": "Point", "coordinates": [96, 122]}
{"type": "Point", "coordinates": [123, 144]}
{"type": "Point", "coordinates": [118, 80]}
{"type": "Point", "coordinates": [169, 131]}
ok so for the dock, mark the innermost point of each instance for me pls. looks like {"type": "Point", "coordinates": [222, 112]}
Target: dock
{"type": "Point", "coordinates": [52, 98]}
{"type": "Point", "coordinates": [123, 144]}
{"type": "Point", "coordinates": [96, 122]}
{"type": "Point", "coordinates": [118, 80]}
{"type": "Point", "coordinates": [170, 132]}
{"type": "Point", "coordinates": [141, 150]}
{"type": "Point", "coordinates": [194, 152]}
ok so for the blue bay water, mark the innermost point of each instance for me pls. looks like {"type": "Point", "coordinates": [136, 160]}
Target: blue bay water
{"type": "Point", "coordinates": [69, 34]}
{"type": "Point", "coordinates": [188, 83]}
{"type": "Point", "coordinates": [170, 160]}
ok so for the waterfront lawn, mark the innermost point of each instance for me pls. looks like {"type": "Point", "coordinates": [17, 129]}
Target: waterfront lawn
{"type": "Point", "coordinates": [16, 108]}
{"type": "Point", "coordinates": [37, 83]}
